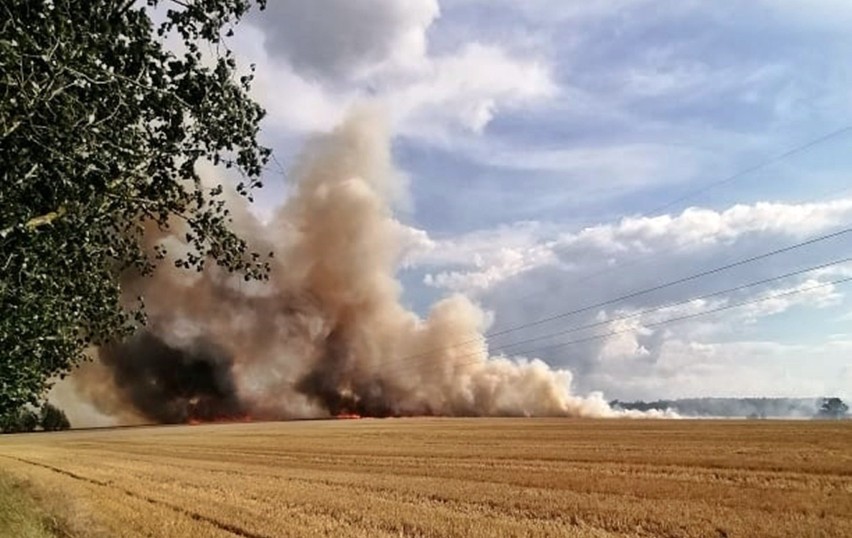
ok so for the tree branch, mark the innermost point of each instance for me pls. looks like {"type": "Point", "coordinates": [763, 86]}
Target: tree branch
{"type": "Point", "coordinates": [37, 222]}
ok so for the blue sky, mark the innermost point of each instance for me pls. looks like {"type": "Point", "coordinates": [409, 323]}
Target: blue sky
{"type": "Point", "coordinates": [539, 137]}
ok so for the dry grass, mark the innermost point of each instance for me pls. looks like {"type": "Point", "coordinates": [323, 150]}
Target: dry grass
{"type": "Point", "coordinates": [444, 477]}
{"type": "Point", "coordinates": [20, 514]}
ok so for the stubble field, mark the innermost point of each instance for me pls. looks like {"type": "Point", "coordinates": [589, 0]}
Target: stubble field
{"type": "Point", "coordinates": [446, 477]}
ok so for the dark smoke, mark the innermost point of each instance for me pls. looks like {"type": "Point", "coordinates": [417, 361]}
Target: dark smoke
{"type": "Point", "coordinates": [330, 384]}
{"type": "Point", "coordinates": [171, 385]}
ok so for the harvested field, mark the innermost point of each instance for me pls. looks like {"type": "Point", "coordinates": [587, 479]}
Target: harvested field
{"type": "Point", "coordinates": [445, 477]}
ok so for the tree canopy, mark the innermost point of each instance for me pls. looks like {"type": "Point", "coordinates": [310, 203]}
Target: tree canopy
{"type": "Point", "coordinates": [51, 418]}
{"type": "Point", "coordinates": [102, 127]}
{"type": "Point", "coordinates": [19, 420]}
{"type": "Point", "coordinates": [833, 408]}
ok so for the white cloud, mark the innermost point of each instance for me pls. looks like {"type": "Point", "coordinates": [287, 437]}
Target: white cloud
{"type": "Point", "coordinates": [840, 270]}
{"type": "Point", "coordinates": [743, 368]}
{"type": "Point", "coordinates": [687, 321]}
{"type": "Point", "coordinates": [697, 228]}
{"type": "Point", "coordinates": [484, 258]}
{"type": "Point", "coordinates": [532, 271]}
{"type": "Point", "coordinates": [821, 13]}
{"type": "Point", "coordinates": [293, 102]}
{"type": "Point", "coordinates": [317, 58]}
{"type": "Point", "coordinates": [500, 265]}
{"type": "Point", "coordinates": [466, 89]}
{"type": "Point", "coordinates": [624, 344]}
{"type": "Point", "coordinates": [490, 257]}
{"type": "Point", "coordinates": [481, 246]}
{"type": "Point", "coordinates": [413, 242]}
{"type": "Point", "coordinates": [810, 292]}
{"type": "Point", "coordinates": [623, 165]}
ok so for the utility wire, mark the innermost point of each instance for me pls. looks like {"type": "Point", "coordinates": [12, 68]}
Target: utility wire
{"type": "Point", "coordinates": [638, 260]}
{"type": "Point", "coordinates": [678, 303]}
{"type": "Point", "coordinates": [654, 324]}
{"type": "Point", "coordinates": [669, 284]}
{"type": "Point", "coordinates": [570, 330]}
{"type": "Point", "coordinates": [798, 149]}
{"type": "Point", "coordinates": [733, 177]}
{"type": "Point", "coordinates": [697, 314]}
{"type": "Point", "coordinates": [763, 164]}
{"type": "Point", "coordinates": [644, 291]}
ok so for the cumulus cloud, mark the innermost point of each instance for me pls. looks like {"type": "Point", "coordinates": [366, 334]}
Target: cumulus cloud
{"type": "Point", "coordinates": [811, 292]}
{"type": "Point", "coordinates": [490, 257]}
{"type": "Point", "coordinates": [532, 271]}
{"type": "Point", "coordinates": [483, 258]}
{"type": "Point", "coordinates": [316, 58]}
{"type": "Point", "coordinates": [740, 368]}
{"type": "Point", "coordinates": [294, 103]}
{"type": "Point", "coordinates": [466, 89]}
{"type": "Point", "coordinates": [698, 227]}
{"type": "Point", "coordinates": [496, 267]}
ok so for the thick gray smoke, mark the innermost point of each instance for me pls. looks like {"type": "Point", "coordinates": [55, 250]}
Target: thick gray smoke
{"type": "Point", "coordinates": [173, 385]}
{"type": "Point", "coordinates": [327, 335]}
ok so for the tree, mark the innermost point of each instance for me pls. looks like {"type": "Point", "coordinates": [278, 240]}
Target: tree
{"type": "Point", "coordinates": [20, 420]}
{"type": "Point", "coordinates": [101, 131]}
{"type": "Point", "coordinates": [832, 408]}
{"type": "Point", "coordinates": [53, 419]}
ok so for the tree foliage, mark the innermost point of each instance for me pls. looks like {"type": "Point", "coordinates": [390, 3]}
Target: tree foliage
{"type": "Point", "coordinates": [833, 408]}
{"type": "Point", "coordinates": [26, 419]}
{"type": "Point", "coordinates": [101, 131]}
{"type": "Point", "coordinates": [19, 421]}
{"type": "Point", "coordinates": [51, 419]}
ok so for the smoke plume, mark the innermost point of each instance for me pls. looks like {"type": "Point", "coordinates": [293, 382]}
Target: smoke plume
{"type": "Point", "coordinates": [327, 334]}
{"type": "Point", "coordinates": [170, 384]}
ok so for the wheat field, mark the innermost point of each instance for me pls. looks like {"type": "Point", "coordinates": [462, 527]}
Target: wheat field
{"type": "Point", "coordinates": [447, 477]}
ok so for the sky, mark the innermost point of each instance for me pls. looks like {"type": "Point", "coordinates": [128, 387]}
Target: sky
{"type": "Point", "coordinates": [560, 154]}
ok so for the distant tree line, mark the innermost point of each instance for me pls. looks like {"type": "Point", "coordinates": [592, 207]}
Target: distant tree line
{"type": "Point", "coordinates": [821, 408]}
{"type": "Point", "coordinates": [832, 408]}
{"type": "Point", "coordinates": [49, 418]}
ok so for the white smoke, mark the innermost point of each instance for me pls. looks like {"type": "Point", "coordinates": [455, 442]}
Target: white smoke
{"type": "Point", "coordinates": [327, 334]}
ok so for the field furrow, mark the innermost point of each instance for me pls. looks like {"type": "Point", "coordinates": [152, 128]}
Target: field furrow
{"type": "Point", "coordinates": [451, 477]}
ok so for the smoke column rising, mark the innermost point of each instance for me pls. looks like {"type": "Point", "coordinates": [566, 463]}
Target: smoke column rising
{"type": "Point", "coordinates": [327, 334]}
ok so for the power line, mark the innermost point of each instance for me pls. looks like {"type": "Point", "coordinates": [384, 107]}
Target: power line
{"type": "Point", "coordinates": [676, 282]}
{"type": "Point", "coordinates": [644, 291]}
{"type": "Point", "coordinates": [657, 324]}
{"type": "Point", "coordinates": [728, 179]}
{"type": "Point", "coordinates": [789, 153]}
{"type": "Point", "coordinates": [679, 303]}
{"type": "Point", "coordinates": [741, 173]}
{"type": "Point", "coordinates": [697, 314]}
{"type": "Point", "coordinates": [658, 308]}
{"type": "Point", "coordinates": [763, 164]}
{"type": "Point", "coordinates": [637, 260]}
